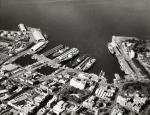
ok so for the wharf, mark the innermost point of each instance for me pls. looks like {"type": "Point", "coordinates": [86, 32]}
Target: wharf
{"type": "Point", "coordinates": [126, 63]}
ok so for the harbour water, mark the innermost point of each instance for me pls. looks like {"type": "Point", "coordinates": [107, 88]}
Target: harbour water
{"type": "Point", "coordinates": [85, 24]}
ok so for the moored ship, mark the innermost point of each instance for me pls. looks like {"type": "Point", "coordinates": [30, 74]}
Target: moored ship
{"type": "Point", "coordinates": [61, 51]}
{"type": "Point", "coordinates": [89, 64]}
{"type": "Point", "coordinates": [78, 61]}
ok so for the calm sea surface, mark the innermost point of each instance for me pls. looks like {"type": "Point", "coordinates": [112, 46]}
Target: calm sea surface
{"type": "Point", "coordinates": [85, 24]}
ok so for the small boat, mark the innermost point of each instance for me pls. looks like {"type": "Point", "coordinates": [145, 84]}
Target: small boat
{"type": "Point", "coordinates": [61, 51]}
{"type": "Point", "coordinates": [89, 64]}
{"type": "Point", "coordinates": [78, 61]}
